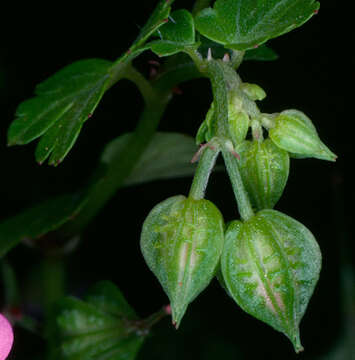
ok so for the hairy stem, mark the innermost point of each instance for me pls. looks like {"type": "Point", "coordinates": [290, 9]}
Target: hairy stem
{"type": "Point", "coordinates": [244, 206]}
{"type": "Point", "coordinates": [204, 169]}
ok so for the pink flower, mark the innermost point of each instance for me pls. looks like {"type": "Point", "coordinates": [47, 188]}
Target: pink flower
{"type": "Point", "coordinates": [6, 337]}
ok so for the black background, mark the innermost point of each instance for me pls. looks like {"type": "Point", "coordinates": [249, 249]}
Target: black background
{"type": "Point", "coordinates": [311, 75]}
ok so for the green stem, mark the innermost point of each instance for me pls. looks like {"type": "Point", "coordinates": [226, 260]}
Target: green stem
{"type": "Point", "coordinates": [244, 206]}
{"type": "Point", "coordinates": [123, 164]}
{"type": "Point", "coordinates": [143, 85]}
{"type": "Point", "coordinates": [203, 171]}
{"type": "Point", "coordinates": [157, 96]}
{"type": "Point", "coordinates": [53, 275]}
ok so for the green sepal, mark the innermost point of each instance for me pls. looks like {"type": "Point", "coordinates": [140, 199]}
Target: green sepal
{"type": "Point", "coordinates": [294, 132]}
{"type": "Point", "coordinates": [271, 265]}
{"type": "Point", "coordinates": [264, 168]}
{"type": "Point", "coordinates": [103, 326]}
{"type": "Point", "coordinates": [178, 33]}
{"type": "Point", "coordinates": [242, 25]}
{"type": "Point", "coordinates": [182, 241]}
{"type": "Point", "coordinates": [208, 128]}
{"type": "Point", "coordinates": [238, 120]}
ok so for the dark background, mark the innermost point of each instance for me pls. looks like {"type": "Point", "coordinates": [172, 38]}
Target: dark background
{"type": "Point", "coordinates": [309, 76]}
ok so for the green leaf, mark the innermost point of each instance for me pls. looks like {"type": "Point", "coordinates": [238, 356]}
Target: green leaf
{"type": "Point", "coordinates": [106, 297]}
{"type": "Point", "coordinates": [178, 33]}
{"type": "Point", "coordinates": [182, 241]}
{"type": "Point", "coordinates": [294, 132]}
{"type": "Point", "coordinates": [39, 220]}
{"type": "Point", "coordinates": [244, 24]}
{"type": "Point", "coordinates": [167, 156]}
{"type": "Point", "coordinates": [271, 265]}
{"type": "Point", "coordinates": [157, 19]}
{"type": "Point", "coordinates": [62, 105]}
{"type": "Point", "coordinates": [264, 169]}
{"type": "Point", "coordinates": [261, 53]}
{"type": "Point", "coordinates": [68, 98]}
{"type": "Point", "coordinates": [102, 327]}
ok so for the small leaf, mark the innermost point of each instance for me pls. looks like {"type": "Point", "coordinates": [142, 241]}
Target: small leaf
{"type": "Point", "coordinates": [167, 156]}
{"type": "Point", "coordinates": [264, 169]}
{"type": "Point", "coordinates": [178, 33]}
{"type": "Point", "coordinates": [182, 241]}
{"type": "Point", "coordinates": [39, 220]}
{"type": "Point", "coordinates": [244, 24]}
{"type": "Point", "coordinates": [294, 132]}
{"type": "Point", "coordinates": [102, 327]}
{"type": "Point", "coordinates": [155, 21]}
{"type": "Point", "coordinates": [271, 265]}
{"type": "Point", "coordinates": [261, 53]}
{"type": "Point", "coordinates": [62, 105]}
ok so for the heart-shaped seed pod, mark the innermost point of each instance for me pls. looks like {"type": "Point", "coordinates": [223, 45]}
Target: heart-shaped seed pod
{"type": "Point", "coordinates": [294, 132]}
{"type": "Point", "coordinates": [264, 168]}
{"type": "Point", "coordinates": [270, 265]}
{"type": "Point", "coordinates": [182, 241]}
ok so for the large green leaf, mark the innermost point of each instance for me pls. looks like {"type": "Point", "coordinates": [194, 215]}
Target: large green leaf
{"type": "Point", "coordinates": [38, 220]}
{"type": "Point", "coordinates": [103, 326]}
{"type": "Point", "coordinates": [68, 98]}
{"type": "Point", "coordinates": [178, 33]}
{"type": "Point", "coordinates": [244, 24]}
{"type": "Point", "coordinates": [167, 156]}
{"type": "Point", "coordinates": [62, 105]}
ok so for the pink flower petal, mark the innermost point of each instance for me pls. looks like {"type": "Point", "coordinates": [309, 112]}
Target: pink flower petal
{"type": "Point", "coordinates": [6, 337]}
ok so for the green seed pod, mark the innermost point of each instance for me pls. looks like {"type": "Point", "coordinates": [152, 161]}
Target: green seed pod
{"type": "Point", "coordinates": [182, 241]}
{"type": "Point", "coordinates": [253, 91]}
{"type": "Point", "coordinates": [264, 169]}
{"type": "Point", "coordinates": [294, 132]}
{"type": "Point", "coordinates": [270, 265]}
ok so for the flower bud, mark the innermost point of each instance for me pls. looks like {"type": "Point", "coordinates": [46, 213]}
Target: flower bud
{"type": "Point", "coordinates": [6, 337]}
{"type": "Point", "coordinates": [264, 168]}
{"type": "Point", "coordinates": [270, 265]}
{"type": "Point", "coordinates": [294, 132]}
{"type": "Point", "coordinates": [253, 91]}
{"type": "Point", "coordinates": [182, 241]}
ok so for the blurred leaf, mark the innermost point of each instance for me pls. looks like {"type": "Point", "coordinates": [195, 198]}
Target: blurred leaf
{"type": "Point", "coordinates": [12, 297]}
{"type": "Point", "coordinates": [38, 220]}
{"type": "Point", "coordinates": [103, 327]}
{"type": "Point", "coordinates": [62, 105]}
{"type": "Point", "coordinates": [178, 33]}
{"type": "Point", "coordinates": [167, 156]}
{"type": "Point", "coordinates": [242, 25]}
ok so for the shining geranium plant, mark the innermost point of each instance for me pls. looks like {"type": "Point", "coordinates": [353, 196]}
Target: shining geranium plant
{"type": "Point", "coordinates": [266, 261]}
